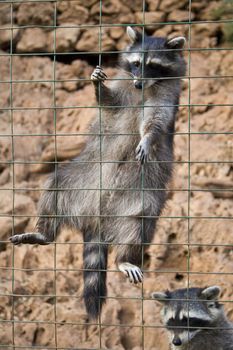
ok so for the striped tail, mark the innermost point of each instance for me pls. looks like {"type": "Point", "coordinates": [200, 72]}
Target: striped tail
{"type": "Point", "coordinates": [95, 265]}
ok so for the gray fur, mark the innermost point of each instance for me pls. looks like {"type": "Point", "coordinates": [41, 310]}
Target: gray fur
{"type": "Point", "coordinates": [109, 162]}
{"type": "Point", "coordinates": [207, 327]}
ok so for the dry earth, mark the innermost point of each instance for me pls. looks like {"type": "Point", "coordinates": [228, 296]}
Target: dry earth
{"type": "Point", "coordinates": [201, 245]}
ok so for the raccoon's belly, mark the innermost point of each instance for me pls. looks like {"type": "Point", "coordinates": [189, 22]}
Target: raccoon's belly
{"type": "Point", "coordinates": [117, 177]}
{"type": "Point", "coordinates": [130, 189]}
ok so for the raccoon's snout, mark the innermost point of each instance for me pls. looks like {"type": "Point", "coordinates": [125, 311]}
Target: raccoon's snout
{"type": "Point", "coordinates": [176, 341]}
{"type": "Point", "coordinates": [138, 84]}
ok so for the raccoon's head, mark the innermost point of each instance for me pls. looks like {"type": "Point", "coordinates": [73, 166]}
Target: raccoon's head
{"type": "Point", "coordinates": [150, 59]}
{"type": "Point", "coordinates": [186, 312]}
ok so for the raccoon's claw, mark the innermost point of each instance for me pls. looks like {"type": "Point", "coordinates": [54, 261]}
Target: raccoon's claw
{"type": "Point", "coordinates": [140, 155]}
{"type": "Point", "coordinates": [15, 239]}
{"type": "Point", "coordinates": [132, 272]}
{"type": "Point", "coordinates": [98, 74]}
{"type": "Point", "coordinates": [142, 151]}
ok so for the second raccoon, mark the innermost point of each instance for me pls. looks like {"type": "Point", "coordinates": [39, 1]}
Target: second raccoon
{"type": "Point", "coordinates": [195, 319]}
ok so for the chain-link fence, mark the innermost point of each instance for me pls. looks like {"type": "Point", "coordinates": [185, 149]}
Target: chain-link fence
{"type": "Point", "coordinates": [48, 51]}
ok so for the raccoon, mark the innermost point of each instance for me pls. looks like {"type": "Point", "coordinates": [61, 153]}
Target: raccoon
{"type": "Point", "coordinates": [115, 190]}
{"type": "Point", "coordinates": [195, 319]}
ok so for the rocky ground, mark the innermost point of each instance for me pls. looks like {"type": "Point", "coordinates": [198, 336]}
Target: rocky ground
{"type": "Point", "coordinates": [197, 252]}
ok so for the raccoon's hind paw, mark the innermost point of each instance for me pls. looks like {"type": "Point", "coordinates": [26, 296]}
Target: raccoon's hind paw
{"type": "Point", "coordinates": [132, 272]}
{"type": "Point", "coordinates": [98, 75]}
{"type": "Point", "coordinates": [29, 238]}
{"type": "Point", "coordinates": [142, 151]}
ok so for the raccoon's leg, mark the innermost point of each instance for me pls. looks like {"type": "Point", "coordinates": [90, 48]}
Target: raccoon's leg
{"type": "Point", "coordinates": [129, 259]}
{"type": "Point", "coordinates": [98, 75]}
{"type": "Point", "coordinates": [48, 224]}
{"type": "Point", "coordinates": [47, 230]}
{"type": "Point", "coordinates": [153, 129]}
{"type": "Point", "coordinates": [142, 150]}
{"type": "Point", "coordinates": [104, 95]}
{"type": "Point", "coordinates": [30, 238]}
{"type": "Point", "coordinates": [133, 272]}
{"type": "Point", "coordinates": [130, 251]}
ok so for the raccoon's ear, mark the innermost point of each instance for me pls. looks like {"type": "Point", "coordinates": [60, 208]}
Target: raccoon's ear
{"type": "Point", "coordinates": [176, 43]}
{"type": "Point", "coordinates": [134, 35]}
{"type": "Point", "coordinates": [211, 293]}
{"type": "Point", "coordinates": [160, 296]}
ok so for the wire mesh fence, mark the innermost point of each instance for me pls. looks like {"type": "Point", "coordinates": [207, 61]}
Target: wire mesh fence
{"type": "Point", "coordinates": [47, 103]}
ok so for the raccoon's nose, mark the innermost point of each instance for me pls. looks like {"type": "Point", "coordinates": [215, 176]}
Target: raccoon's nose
{"type": "Point", "coordinates": [176, 341]}
{"type": "Point", "coordinates": [138, 84]}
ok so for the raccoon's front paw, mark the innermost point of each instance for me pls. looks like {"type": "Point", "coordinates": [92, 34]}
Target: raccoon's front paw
{"type": "Point", "coordinates": [142, 151]}
{"type": "Point", "coordinates": [98, 75]}
{"type": "Point", "coordinates": [132, 272]}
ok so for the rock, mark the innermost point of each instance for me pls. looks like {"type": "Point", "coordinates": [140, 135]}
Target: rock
{"type": "Point", "coordinates": [134, 5]}
{"type": "Point", "coordinates": [112, 11]}
{"type": "Point", "coordinates": [164, 31]}
{"type": "Point", "coordinates": [127, 18]}
{"type": "Point", "coordinates": [150, 18]}
{"type": "Point", "coordinates": [4, 176]}
{"type": "Point", "coordinates": [70, 120]}
{"type": "Point", "coordinates": [35, 13]}
{"type": "Point", "coordinates": [5, 152]}
{"type": "Point", "coordinates": [88, 3]}
{"type": "Point", "coordinates": [23, 206]}
{"type": "Point", "coordinates": [211, 11]}
{"type": "Point", "coordinates": [67, 37]}
{"type": "Point", "coordinates": [153, 5]}
{"type": "Point", "coordinates": [197, 7]}
{"type": "Point", "coordinates": [170, 5]}
{"type": "Point", "coordinates": [110, 8]}
{"type": "Point", "coordinates": [21, 171]}
{"type": "Point", "coordinates": [206, 36]}
{"type": "Point", "coordinates": [6, 13]}
{"type": "Point", "coordinates": [33, 40]}
{"type": "Point", "coordinates": [90, 41]}
{"type": "Point", "coordinates": [77, 71]}
{"type": "Point", "coordinates": [179, 16]}
{"type": "Point", "coordinates": [8, 36]}
{"type": "Point", "coordinates": [81, 69]}
{"type": "Point", "coordinates": [71, 12]}
{"type": "Point", "coordinates": [116, 32]}
{"type": "Point", "coordinates": [6, 333]}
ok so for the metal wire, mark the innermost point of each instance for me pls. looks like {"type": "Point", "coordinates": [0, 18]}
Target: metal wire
{"type": "Point", "coordinates": [13, 175]}
{"type": "Point", "coordinates": [142, 179]}
{"type": "Point", "coordinates": [101, 166]}
{"type": "Point", "coordinates": [189, 165]}
{"type": "Point", "coordinates": [87, 53]}
{"type": "Point", "coordinates": [164, 271]}
{"type": "Point", "coordinates": [109, 25]}
{"type": "Point", "coordinates": [109, 325]}
{"type": "Point", "coordinates": [119, 216]}
{"type": "Point", "coordinates": [188, 188]}
{"type": "Point", "coordinates": [56, 176]}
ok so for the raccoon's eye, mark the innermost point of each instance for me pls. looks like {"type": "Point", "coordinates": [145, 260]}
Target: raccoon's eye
{"type": "Point", "coordinates": [136, 63]}
{"type": "Point", "coordinates": [211, 305]}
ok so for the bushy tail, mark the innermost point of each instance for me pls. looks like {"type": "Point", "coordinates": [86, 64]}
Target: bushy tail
{"type": "Point", "coordinates": [95, 264]}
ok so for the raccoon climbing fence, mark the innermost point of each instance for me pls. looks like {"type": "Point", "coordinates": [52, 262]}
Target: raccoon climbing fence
{"type": "Point", "coordinates": [48, 52]}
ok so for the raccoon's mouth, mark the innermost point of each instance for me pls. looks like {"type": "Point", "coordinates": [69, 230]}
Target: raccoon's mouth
{"type": "Point", "coordinates": [184, 338]}
{"type": "Point", "coordinates": [139, 84]}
